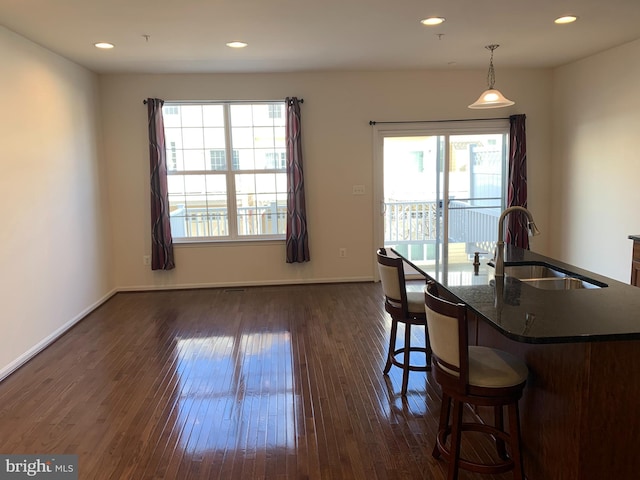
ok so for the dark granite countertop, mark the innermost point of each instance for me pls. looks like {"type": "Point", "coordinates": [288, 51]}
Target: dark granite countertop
{"type": "Point", "coordinates": [528, 314]}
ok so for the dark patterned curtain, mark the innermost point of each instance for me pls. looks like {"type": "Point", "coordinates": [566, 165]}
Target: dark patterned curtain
{"type": "Point", "coordinates": [161, 241]}
{"type": "Point", "coordinates": [517, 233]}
{"type": "Point", "coordinates": [297, 235]}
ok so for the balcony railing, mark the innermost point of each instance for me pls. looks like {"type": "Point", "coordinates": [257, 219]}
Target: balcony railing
{"type": "Point", "coordinates": [414, 226]}
{"type": "Point", "coordinates": [214, 222]}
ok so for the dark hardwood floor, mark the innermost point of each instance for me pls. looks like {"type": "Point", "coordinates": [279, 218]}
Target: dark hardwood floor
{"type": "Point", "coordinates": [255, 383]}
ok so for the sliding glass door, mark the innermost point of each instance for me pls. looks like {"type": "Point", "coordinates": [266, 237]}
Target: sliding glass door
{"type": "Point", "coordinates": [440, 188]}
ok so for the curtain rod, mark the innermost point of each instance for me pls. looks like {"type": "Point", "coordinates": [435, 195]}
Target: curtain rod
{"type": "Point", "coordinates": [373, 122]}
{"type": "Point", "coordinates": [301, 100]}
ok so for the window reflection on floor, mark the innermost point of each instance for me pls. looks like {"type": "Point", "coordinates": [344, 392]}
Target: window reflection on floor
{"type": "Point", "coordinates": [235, 392]}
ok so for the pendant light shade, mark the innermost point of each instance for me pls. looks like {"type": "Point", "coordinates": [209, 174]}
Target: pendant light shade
{"type": "Point", "coordinates": [491, 98]}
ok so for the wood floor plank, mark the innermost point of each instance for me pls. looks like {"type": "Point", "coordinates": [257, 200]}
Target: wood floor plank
{"type": "Point", "coordinates": [254, 383]}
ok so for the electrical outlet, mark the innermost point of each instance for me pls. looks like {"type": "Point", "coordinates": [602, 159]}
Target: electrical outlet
{"type": "Point", "coordinates": [342, 253]}
{"type": "Point", "coordinates": [146, 259]}
{"type": "Point", "coordinates": [358, 189]}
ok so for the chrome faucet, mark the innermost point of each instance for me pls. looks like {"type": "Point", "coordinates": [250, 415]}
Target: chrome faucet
{"type": "Point", "coordinates": [498, 259]}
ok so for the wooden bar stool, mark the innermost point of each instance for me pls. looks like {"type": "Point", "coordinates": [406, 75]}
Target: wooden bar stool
{"type": "Point", "coordinates": [476, 376]}
{"type": "Point", "coordinates": [404, 307]}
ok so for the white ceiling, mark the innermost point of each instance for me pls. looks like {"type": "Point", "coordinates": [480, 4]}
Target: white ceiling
{"type": "Point", "coordinates": [304, 35]}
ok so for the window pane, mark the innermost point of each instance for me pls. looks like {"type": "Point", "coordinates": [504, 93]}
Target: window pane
{"type": "Point", "coordinates": [216, 184]}
{"type": "Point", "coordinates": [271, 159]}
{"type": "Point", "coordinates": [214, 138]}
{"type": "Point", "coordinates": [263, 137]}
{"type": "Point", "coordinates": [264, 114]}
{"type": "Point", "coordinates": [246, 159]}
{"type": "Point", "coordinates": [173, 136]}
{"type": "Point", "coordinates": [245, 183]}
{"type": "Point", "coordinates": [192, 138]}
{"type": "Point", "coordinates": [281, 184]}
{"type": "Point", "coordinates": [191, 115]}
{"type": "Point", "coordinates": [175, 185]}
{"type": "Point", "coordinates": [194, 160]}
{"type": "Point", "coordinates": [241, 116]}
{"type": "Point", "coordinates": [175, 160]}
{"type": "Point", "coordinates": [171, 115]}
{"type": "Point", "coordinates": [242, 137]}
{"type": "Point", "coordinates": [277, 114]}
{"type": "Point", "coordinates": [194, 184]}
{"type": "Point", "coordinates": [213, 116]}
{"type": "Point", "coordinates": [279, 137]}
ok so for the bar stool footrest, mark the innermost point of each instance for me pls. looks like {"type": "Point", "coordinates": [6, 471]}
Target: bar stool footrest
{"type": "Point", "coordinates": [413, 368]}
{"type": "Point", "coordinates": [482, 468]}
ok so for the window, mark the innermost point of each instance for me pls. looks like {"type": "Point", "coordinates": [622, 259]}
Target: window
{"type": "Point", "coordinates": [226, 171]}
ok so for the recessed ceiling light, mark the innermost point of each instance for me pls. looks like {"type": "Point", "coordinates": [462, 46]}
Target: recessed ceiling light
{"type": "Point", "coordinates": [237, 44]}
{"type": "Point", "coordinates": [104, 45]}
{"type": "Point", "coordinates": [432, 21]}
{"type": "Point", "coordinates": [565, 19]}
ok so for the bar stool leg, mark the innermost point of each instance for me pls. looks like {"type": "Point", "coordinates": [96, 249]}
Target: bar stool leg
{"type": "Point", "coordinates": [427, 346]}
{"type": "Point", "coordinates": [392, 345]}
{"type": "Point", "coordinates": [407, 357]}
{"type": "Point", "coordinates": [456, 437]}
{"type": "Point", "coordinates": [443, 424]}
{"type": "Point", "coordinates": [514, 437]}
{"type": "Point", "coordinates": [498, 417]}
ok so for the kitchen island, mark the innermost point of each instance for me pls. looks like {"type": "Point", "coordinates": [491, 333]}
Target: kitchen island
{"type": "Point", "coordinates": [580, 410]}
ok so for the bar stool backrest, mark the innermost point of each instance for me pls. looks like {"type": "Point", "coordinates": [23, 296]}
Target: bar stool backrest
{"type": "Point", "coordinates": [448, 335]}
{"type": "Point", "coordinates": [393, 284]}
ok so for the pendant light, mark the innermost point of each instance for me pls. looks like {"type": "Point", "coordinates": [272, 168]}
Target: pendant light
{"type": "Point", "coordinates": [491, 98]}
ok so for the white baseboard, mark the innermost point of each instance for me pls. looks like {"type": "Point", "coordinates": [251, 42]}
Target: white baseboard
{"type": "Point", "coordinates": [36, 349]}
{"type": "Point", "coordinates": [139, 288]}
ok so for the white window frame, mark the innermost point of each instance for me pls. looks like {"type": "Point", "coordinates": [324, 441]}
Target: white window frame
{"type": "Point", "coordinates": [230, 173]}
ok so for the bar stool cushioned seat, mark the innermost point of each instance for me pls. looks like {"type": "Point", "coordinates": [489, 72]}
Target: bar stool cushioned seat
{"type": "Point", "coordinates": [472, 375]}
{"type": "Point", "coordinates": [493, 368]}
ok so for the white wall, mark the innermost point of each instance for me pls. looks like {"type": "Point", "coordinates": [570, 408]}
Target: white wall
{"type": "Point", "coordinates": [337, 141]}
{"type": "Point", "coordinates": [53, 243]}
{"type": "Point", "coordinates": [596, 161]}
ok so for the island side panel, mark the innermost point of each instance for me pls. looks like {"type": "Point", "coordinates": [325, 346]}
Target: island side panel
{"type": "Point", "coordinates": [611, 423]}
{"type": "Point", "coordinates": [552, 405]}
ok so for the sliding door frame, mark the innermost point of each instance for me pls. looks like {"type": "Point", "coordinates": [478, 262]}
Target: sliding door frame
{"type": "Point", "coordinates": [445, 128]}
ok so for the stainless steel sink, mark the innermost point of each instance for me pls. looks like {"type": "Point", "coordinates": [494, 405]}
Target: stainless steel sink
{"type": "Point", "coordinates": [532, 271]}
{"type": "Point", "coordinates": [547, 277]}
{"type": "Point", "coordinates": [558, 283]}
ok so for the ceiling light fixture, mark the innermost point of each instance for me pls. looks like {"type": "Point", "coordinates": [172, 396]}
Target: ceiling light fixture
{"type": "Point", "coordinates": [104, 45]}
{"type": "Point", "coordinates": [565, 19]}
{"type": "Point", "coordinates": [491, 98]}
{"type": "Point", "coordinates": [431, 21]}
{"type": "Point", "coordinates": [236, 44]}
